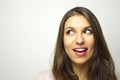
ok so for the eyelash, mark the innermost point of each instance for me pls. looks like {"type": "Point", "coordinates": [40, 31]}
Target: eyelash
{"type": "Point", "coordinates": [86, 31]}
{"type": "Point", "coordinates": [69, 32]}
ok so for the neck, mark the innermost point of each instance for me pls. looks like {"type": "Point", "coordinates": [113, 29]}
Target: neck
{"type": "Point", "coordinates": [81, 71]}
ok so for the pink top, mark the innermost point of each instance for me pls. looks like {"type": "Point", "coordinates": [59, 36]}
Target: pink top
{"type": "Point", "coordinates": [45, 75]}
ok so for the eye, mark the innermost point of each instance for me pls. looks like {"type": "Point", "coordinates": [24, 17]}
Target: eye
{"type": "Point", "coordinates": [69, 32]}
{"type": "Point", "coordinates": [88, 31]}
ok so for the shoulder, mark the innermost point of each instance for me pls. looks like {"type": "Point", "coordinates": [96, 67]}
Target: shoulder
{"type": "Point", "coordinates": [44, 75]}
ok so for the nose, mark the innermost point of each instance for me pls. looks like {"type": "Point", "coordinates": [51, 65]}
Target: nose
{"type": "Point", "coordinates": [79, 39]}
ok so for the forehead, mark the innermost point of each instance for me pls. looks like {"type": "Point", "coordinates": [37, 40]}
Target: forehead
{"type": "Point", "coordinates": [77, 21]}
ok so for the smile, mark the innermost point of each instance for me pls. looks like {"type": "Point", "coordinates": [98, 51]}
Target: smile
{"type": "Point", "coordinates": [80, 51]}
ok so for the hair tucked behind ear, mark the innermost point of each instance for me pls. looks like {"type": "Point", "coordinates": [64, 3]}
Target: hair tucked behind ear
{"type": "Point", "coordinates": [101, 65]}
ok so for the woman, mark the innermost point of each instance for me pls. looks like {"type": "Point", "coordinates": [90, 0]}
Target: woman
{"type": "Point", "coordinates": [81, 52]}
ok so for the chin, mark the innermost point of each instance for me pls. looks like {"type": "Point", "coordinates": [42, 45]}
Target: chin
{"type": "Point", "coordinates": [80, 62]}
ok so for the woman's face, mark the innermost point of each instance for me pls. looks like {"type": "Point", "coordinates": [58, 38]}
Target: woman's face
{"type": "Point", "coordinates": [78, 39]}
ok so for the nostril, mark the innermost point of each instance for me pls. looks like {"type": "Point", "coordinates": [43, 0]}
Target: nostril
{"type": "Point", "coordinates": [79, 43]}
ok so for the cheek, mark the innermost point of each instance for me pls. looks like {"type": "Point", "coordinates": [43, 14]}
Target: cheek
{"type": "Point", "coordinates": [68, 41]}
{"type": "Point", "coordinates": [90, 42]}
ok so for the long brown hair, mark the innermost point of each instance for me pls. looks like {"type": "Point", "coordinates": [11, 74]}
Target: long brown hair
{"type": "Point", "coordinates": [101, 64]}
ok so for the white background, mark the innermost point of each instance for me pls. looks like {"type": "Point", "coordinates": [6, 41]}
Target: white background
{"type": "Point", "coordinates": [28, 32]}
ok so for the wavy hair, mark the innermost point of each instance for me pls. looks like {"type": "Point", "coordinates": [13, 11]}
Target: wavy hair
{"type": "Point", "coordinates": [101, 63]}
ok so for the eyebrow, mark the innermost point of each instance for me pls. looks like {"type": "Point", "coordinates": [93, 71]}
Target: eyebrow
{"type": "Point", "coordinates": [88, 27]}
{"type": "Point", "coordinates": [73, 27]}
{"type": "Point", "coordinates": [68, 28]}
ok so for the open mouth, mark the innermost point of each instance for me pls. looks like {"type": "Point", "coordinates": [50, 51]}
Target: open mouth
{"type": "Point", "coordinates": [80, 51]}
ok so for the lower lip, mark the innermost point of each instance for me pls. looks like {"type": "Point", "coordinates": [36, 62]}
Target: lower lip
{"type": "Point", "coordinates": [80, 54]}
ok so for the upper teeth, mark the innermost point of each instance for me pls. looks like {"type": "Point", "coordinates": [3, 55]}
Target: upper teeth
{"type": "Point", "coordinates": [80, 49]}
